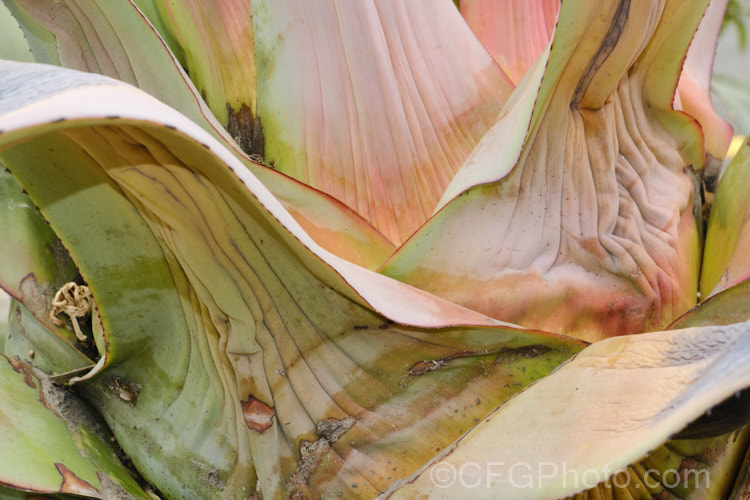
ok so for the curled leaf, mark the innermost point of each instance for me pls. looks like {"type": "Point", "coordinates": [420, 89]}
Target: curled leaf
{"type": "Point", "coordinates": [310, 374]}
{"type": "Point", "coordinates": [587, 226]}
{"type": "Point", "coordinates": [131, 50]}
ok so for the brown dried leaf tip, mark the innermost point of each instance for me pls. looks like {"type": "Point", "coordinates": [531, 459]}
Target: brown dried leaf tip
{"type": "Point", "coordinates": [73, 300]}
{"type": "Point", "coordinates": [75, 485]}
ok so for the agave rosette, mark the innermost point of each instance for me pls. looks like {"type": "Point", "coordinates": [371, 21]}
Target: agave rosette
{"type": "Point", "coordinates": [240, 232]}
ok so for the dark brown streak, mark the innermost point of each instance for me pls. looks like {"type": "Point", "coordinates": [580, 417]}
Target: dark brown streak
{"type": "Point", "coordinates": [529, 351]}
{"type": "Point", "coordinates": [605, 49]}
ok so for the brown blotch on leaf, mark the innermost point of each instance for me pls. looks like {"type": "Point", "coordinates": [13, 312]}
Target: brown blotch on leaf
{"type": "Point", "coordinates": [429, 365]}
{"type": "Point", "coordinates": [23, 368]}
{"type": "Point", "coordinates": [527, 351]}
{"type": "Point", "coordinates": [246, 130]}
{"type": "Point", "coordinates": [311, 454]}
{"type": "Point", "coordinates": [213, 479]}
{"type": "Point", "coordinates": [533, 351]}
{"type": "Point", "coordinates": [332, 429]}
{"type": "Point", "coordinates": [125, 390]}
{"type": "Point", "coordinates": [35, 297]}
{"type": "Point", "coordinates": [74, 485]}
{"type": "Point", "coordinates": [258, 415]}
{"type": "Point", "coordinates": [210, 475]}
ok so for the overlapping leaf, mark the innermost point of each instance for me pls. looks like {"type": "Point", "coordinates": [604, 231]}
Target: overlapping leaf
{"type": "Point", "coordinates": [229, 335]}
{"type": "Point", "coordinates": [381, 121]}
{"type": "Point", "coordinates": [514, 32]}
{"type": "Point", "coordinates": [238, 357]}
{"type": "Point", "coordinates": [50, 442]}
{"type": "Point", "coordinates": [78, 35]}
{"type": "Point", "coordinates": [617, 400]}
{"type": "Point", "coordinates": [590, 211]}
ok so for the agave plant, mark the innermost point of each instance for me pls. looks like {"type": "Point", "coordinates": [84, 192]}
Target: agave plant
{"type": "Point", "coordinates": [285, 248]}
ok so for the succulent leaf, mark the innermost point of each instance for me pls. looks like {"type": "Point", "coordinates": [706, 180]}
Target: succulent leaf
{"type": "Point", "coordinates": [217, 47]}
{"type": "Point", "coordinates": [14, 46]}
{"type": "Point", "coordinates": [381, 121]}
{"type": "Point", "coordinates": [49, 348]}
{"type": "Point", "coordinates": [514, 32]}
{"type": "Point", "coordinates": [35, 264]}
{"type": "Point", "coordinates": [229, 335]}
{"type": "Point", "coordinates": [606, 399]}
{"type": "Point", "coordinates": [694, 88]}
{"type": "Point", "coordinates": [723, 308]}
{"type": "Point", "coordinates": [51, 444]}
{"type": "Point", "coordinates": [592, 213]}
{"type": "Point", "coordinates": [679, 469]}
{"type": "Point", "coordinates": [727, 237]}
{"type": "Point", "coordinates": [132, 51]}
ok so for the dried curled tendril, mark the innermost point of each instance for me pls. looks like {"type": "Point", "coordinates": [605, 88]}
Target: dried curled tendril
{"type": "Point", "coordinates": [73, 300]}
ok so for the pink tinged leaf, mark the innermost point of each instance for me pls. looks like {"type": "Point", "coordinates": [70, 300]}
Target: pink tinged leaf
{"type": "Point", "coordinates": [140, 57]}
{"type": "Point", "coordinates": [398, 302]}
{"type": "Point", "coordinates": [588, 227]}
{"type": "Point", "coordinates": [693, 90]}
{"type": "Point", "coordinates": [377, 104]}
{"type": "Point", "coordinates": [515, 32]}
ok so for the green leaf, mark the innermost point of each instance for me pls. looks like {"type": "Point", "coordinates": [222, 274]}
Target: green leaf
{"type": "Point", "coordinates": [217, 48]}
{"type": "Point", "coordinates": [14, 46]}
{"type": "Point", "coordinates": [46, 346]}
{"type": "Point", "coordinates": [34, 260]}
{"type": "Point", "coordinates": [728, 306]}
{"type": "Point", "coordinates": [35, 265]}
{"type": "Point", "coordinates": [51, 444]}
{"type": "Point", "coordinates": [725, 262]}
